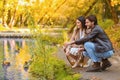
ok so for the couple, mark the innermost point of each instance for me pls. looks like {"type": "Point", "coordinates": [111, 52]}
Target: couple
{"type": "Point", "coordinates": [97, 45]}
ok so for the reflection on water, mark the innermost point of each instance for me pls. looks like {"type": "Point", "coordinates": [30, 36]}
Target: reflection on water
{"type": "Point", "coordinates": [15, 53]}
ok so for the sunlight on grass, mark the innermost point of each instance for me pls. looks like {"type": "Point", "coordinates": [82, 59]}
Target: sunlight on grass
{"type": "Point", "coordinates": [3, 28]}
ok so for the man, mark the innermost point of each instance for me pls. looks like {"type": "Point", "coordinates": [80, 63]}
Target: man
{"type": "Point", "coordinates": [98, 46]}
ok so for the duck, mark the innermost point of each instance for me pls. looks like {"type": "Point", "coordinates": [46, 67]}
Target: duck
{"type": "Point", "coordinates": [6, 63]}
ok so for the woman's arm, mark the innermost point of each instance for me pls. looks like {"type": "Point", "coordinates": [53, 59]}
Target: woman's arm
{"type": "Point", "coordinates": [73, 34]}
{"type": "Point", "coordinates": [69, 43]}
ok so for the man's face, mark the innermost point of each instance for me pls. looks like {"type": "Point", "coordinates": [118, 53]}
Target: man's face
{"type": "Point", "coordinates": [89, 23]}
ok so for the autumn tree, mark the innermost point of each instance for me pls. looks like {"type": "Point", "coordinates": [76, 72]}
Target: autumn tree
{"type": "Point", "coordinates": [22, 13]}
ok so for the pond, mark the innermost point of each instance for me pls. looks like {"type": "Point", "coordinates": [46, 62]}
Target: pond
{"type": "Point", "coordinates": [14, 53]}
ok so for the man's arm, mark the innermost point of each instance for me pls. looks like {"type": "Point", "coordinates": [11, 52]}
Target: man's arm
{"type": "Point", "coordinates": [90, 36]}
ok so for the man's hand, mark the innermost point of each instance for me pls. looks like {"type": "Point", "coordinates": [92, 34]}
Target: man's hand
{"type": "Point", "coordinates": [69, 43]}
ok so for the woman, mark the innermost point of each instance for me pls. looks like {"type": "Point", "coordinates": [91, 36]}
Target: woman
{"type": "Point", "coordinates": [74, 51]}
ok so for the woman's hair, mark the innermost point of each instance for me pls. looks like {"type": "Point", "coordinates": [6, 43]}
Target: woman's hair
{"type": "Point", "coordinates": [82, 20]}
{"type": "Point", "coordinates": [92, 18]}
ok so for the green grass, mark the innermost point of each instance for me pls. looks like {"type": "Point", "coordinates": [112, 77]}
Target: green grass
{"type": "Point", "coordinates": [46, 65]}
{"type": "Point", "coordinates": [1, 61]}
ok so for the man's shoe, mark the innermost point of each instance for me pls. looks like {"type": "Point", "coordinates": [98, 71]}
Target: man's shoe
{"type": "Point", "coordinates": [105, 64]}
{"type": "Point", "coordinates": [94, 68]}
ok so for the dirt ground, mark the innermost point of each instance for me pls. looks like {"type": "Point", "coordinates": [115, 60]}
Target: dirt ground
{"type": "Point", "coordinates": [113, 73]}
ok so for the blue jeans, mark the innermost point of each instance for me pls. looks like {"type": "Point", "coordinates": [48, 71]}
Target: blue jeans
{"type": "Point", "coordinates": [93, 55]}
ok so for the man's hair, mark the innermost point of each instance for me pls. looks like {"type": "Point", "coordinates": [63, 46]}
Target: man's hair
{"type": "Point", "coordinates": [92, 18]}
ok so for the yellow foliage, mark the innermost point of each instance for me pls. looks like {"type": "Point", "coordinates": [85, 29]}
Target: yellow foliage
{"type": "Point", "coordinates": [115, 2]}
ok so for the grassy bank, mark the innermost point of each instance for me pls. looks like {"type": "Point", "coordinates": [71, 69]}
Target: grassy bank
{"type": "Point", "coordinates": [1, 61]}
{"type": "Point", "coordinates": [46, 65]}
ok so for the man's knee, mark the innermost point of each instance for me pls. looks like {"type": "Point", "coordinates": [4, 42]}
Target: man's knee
{"type": "Point", "coordinates": [88, 45]}
{"type": "Point", "coordinates": [85, 54]}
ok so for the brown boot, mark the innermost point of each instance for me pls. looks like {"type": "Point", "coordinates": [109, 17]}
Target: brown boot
{"type": "Point", "coordinates": [105, 64]}
{"type": "Point", "coordinates": [94, 68]}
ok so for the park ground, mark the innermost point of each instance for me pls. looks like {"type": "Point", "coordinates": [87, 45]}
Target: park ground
{"type": "Point", "coordinates": [113, 73]}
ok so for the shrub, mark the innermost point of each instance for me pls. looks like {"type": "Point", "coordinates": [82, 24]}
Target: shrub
{"type": "Point", "coordinates": [46, 65]}
{"type": "Point", "coordinates": [106, 24]}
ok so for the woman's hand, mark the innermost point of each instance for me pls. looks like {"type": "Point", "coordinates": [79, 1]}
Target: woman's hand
{"type": "Point", "coordinates": [65, 46]}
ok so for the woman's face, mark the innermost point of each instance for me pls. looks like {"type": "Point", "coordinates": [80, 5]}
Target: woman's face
{"type": "Point", "coordinates": [78, 24]}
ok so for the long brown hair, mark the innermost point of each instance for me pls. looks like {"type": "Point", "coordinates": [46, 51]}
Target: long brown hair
{"type": "Point", "coordinates": [82, 20]}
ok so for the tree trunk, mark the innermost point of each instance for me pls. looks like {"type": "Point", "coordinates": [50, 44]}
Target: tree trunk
{"type": "Point", "coordinates": [41, 18]}
{"type": "Point", "coordinates": [65, 24]}
{"type": "Point", "coordinates": [12, 22]}
{"type": "Point", "coordinates": [71, 29]}
{"type": "Point", "coordinates": [56, 10]}
{"type": "Point", "coordinates": [3, 13]}
{"type": "Point", "coordinates": [46, 12]}
{"type": "Point", "coordinates": [21, 20]}
{"type": "Point", "coordinates": [112, 10]}
{"type": "Point", "coordinates": [17, 22]}
{"type": "Point", "coordinates": [25, 20]}
{"type": "Point", "coordinates": [9, 17]}
{"type": "Point", "coordinates": [90, 7]}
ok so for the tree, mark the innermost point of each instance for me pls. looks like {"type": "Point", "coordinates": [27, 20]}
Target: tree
{"type": "Point", "coordinates": [22, 13]}
{"type": "Point", "coordinates": [112, 11]}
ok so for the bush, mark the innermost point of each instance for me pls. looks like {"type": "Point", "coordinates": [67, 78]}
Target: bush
{"type": "Point", "coordinates": [45, 65]}
{"type": "Point", "coordinates": [113, 33]}
{"type": "Point", "coordinates": [106, 24]}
